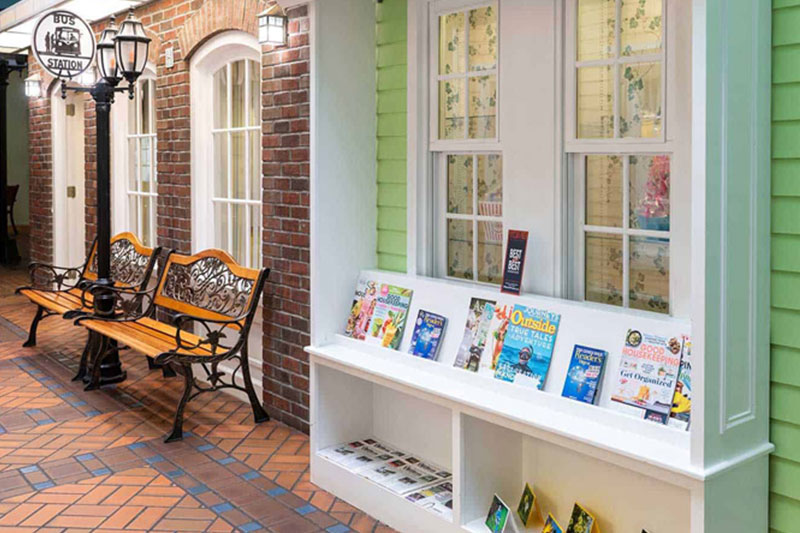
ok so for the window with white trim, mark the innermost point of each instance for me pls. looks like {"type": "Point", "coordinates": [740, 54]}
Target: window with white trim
{"type": "Point", "coordinates": [236, 132]}
{"type": "Point", "coordinates": [622, 159]}
{"type": "Point", "coordinates": [467, 156]}
{"type": "Point", "coordinates": [141, 185]}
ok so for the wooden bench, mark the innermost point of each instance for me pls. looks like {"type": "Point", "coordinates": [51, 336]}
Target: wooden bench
{"type": "Point", "coordinates": [60, 290]}
{"type": "Point", "coordinates": [200, 313]}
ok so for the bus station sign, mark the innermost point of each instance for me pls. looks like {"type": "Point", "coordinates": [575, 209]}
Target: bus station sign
{"type": "Point", "coordinates": [63, 44]}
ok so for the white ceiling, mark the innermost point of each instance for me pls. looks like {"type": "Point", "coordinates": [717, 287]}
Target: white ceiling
{"type": "Point", "coordinates": [18, 21]}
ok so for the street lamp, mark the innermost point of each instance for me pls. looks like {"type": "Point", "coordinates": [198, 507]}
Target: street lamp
{"type": "Point", "coordinates": [133, 45]}
{"type": "Point", "coordinates": [106, 54]}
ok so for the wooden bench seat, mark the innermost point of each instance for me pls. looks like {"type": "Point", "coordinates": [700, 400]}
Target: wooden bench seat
{"type": "Point", "coordinates": [208, 293]}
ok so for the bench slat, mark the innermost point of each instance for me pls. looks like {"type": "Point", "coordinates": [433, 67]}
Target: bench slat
{"type": "Point", "coordinates": [143, 338]}
{"type": "Point", "coordinates": [59, 302]}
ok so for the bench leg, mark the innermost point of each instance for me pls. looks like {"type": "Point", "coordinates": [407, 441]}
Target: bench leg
{"type": "Point", "coordinates": [87, 353]}
{"type": "Point", "coordinates": [96, 365]}
{"type": "Point", "coordinates": [177, 426]}
{"type": "Point", "coordinates": [34, 326]}
{"type": "Point", "coordinates": [259, 414]}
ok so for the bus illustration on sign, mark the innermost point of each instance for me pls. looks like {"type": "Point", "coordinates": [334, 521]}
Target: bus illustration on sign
{"type": "Point", "coordinates": [66, 41]}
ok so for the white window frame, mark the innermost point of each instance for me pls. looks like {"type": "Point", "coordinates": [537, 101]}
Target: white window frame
{"type": "Point", "coordinates": [218, 52]}
{"type": "Point", "coordinates": [674, 141]}
{"type": "Point", "coordinates": [439, 149]}
{"type": "Point", "coordinates": [153, 193]}
{"type": "Point", "coordinates": [121, 159]}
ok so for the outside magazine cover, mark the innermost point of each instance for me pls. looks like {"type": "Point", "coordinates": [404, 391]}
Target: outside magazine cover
{"type": "Point", "coordinates": [528, 346]}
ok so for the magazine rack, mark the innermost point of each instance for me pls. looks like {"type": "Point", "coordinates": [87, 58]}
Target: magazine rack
{"type": "Point", "coordinates": [494, 436]}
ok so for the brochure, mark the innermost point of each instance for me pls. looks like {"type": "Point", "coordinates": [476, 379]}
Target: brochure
{"type": "Point", "coordinates": [341, 453]}
{"type": "Point", "coordinates": [681, 413]}
{"type": "Point", "coordinates": [551, 526]}
{"type": "Point", "coordinates": [528, 346]}
{"type": "Point", "coordinates": [362, 308]}
{"type": "Point", "coordinates": [389, 316]}
{"type": "Point", "coordinates": [475, 333]}
{"type": "Point", "coordinates": [497, 518]}
{"type": "Point", "coordinates": [583, 376]}
{"type": "Point", "coordinates": [582, 521]}
{"type": "Point", "coordinates": [428, 334]}
{"type": "Point", "coordinates": [648, 372]}
{"type": "Point", "coordinates": [497, 334]}
{"type": "Point", "coordinates": [438, 499]}
{"type": "Point", "coordinates": [528, 508]}
{"type": "Point", "coordinates": [515, 261]}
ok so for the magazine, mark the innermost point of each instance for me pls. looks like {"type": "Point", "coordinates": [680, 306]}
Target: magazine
{"type": "Point", "coordinates": [583, 376]}
{"type": "Point", "coordinates": [389, 316]}
{"type": "Point", "coordinates": [362, 308]}
{"type": "Point", "coordinates": [497, 518]}
{"type": "Point", "coordinates": [680, 416]}
{"type": "Point", "coordinates": [497, 334]}
{"type": "Point", "coordinates": [475, 333]}
{"type": "Point", "coordinates": [582, 521]}
{"type": "Point", "coordinates": [551, 526]}
{"type": "Point", "coordinates": [528, 346]}
{"type": "Point", "coordinates": [428, 334]}
{"type": "Point", "coordinates": [384, 472]}
{"type": "Point", "coordinates": [648, 373]}
{"type": "Point", "coordinates": [342, 453]}
{"type": "Point", "coordinates": [437, 499]}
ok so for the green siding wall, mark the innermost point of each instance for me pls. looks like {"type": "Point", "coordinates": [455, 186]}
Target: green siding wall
{"type": "Point", "coordinates": [785, 328]}
{"type": "Point", "coordinates": [391, 115]}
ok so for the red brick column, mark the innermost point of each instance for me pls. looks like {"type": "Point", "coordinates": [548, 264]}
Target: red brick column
{"type": "Point", "coordinates": [286, 223]}
{"type": "Point", "coordinates": [41, 171]}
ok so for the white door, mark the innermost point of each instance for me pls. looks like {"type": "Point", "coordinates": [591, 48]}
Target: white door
{"type": "Point", "coordinates": [69, 176]}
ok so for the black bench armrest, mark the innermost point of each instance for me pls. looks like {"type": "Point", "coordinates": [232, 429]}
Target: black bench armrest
{"type": "Point", "coordinates": [129, 304]}
{"type": "Point", "coordinates": [52, 278]}
{"type": "Point", "coordinates": [211, 338]}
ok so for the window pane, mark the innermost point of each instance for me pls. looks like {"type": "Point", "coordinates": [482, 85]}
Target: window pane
{"type": "Point", "coordinates": [604, 268]}
{"type": "Point", "coordinates": [451, 109]}
{"type": "Point", "coordinates": [255, 165]}
{"type": "Point", "coordinates": [640, 100]}
{"type": "Point", "coordinates": [640, 29]}
{"type": "Point", "coordinates": [133, 214]}
{"type": "Point", "coordinates": [221, 226]}
{"type": "Point", "coordinates": [490, 252]}
{"type": "Point", "coordinates": [482, 107]}
{"type": "Point", "coordinates": [254, 235]}
{"type": "Point", "coordinates": [649, 194]}
{"type": "Point", "coordinates": [239, 224]}
{"type": "Point", "coordinates": [459, 184]}
{"type": "Point", "coordinates": [451, 44]}
{"type": "Point", "coordinates": [596, 20]}
{"type": "Point", "coordinates": [145, 103]}
{"type": "Point", "coordinates": [595, 103]}
{"type": "Point", "coordinates": [146, 217]}
{"type": "Point", "coordinates": [490, 186]}
{"type": "Point", "coordinates": [483, 38]}
{"type": "Point", "coordinates": [221, 165]}
{"type": "Point", "coordinates": [254, 116]}
{"type": "Point", "coordinates": [238, 166]}
{"type": "Point", "coordinates": [146, 162]}
{"type": "Point", "coordinates": [604, 191]}
{"type": "Point", "coordinates": [221, 98]}
{"type": "Point", "coordinates": [133, 106]}
{"type": "Point", "coordinates": [459, 249]}
{"type": "Point", "coordinates": [237, 93]}
{"type": "Point", "coordinates": [133, 164]}
{"type": "Point", "coordinates": [649, 283]}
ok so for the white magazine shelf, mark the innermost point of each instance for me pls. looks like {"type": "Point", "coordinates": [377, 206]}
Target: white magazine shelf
{"type": "Point", "coordinates": [494, 435]}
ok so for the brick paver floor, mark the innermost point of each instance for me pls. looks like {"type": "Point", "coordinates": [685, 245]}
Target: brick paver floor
{"type": "Point", "coordinates": [95, 461]}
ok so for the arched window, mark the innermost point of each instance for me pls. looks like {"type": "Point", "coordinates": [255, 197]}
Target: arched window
{"type": "Point", "coordinates": [226, 146]}
{"type": "Point", "coordinates": [135, 184]}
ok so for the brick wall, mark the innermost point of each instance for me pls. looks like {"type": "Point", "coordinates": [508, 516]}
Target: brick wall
{"type": "Point", "coordinates": [41, 174]}
{"type": "Point", "coordinates": [184, 25]}
{"type": "Point", "coordinates": [286, 223]}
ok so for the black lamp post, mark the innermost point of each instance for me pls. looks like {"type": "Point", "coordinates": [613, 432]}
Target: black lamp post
{"type": "Point", "coordinates": [9, 254]}
{"type": "Point", "coordinates": [120, 54]}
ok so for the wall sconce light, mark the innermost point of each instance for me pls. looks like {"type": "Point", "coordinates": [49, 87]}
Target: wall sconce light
{"type": "Point", "coordinates": [33, 86]}
{"type": "Point", "coordinates": [273, 26]}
